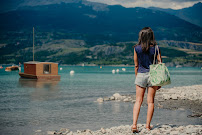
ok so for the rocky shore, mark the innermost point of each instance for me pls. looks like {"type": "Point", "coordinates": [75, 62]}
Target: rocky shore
{"type": "Point", "coordinates": [126, 130]}
{"type": "Point", "coordinates": [185, 97]}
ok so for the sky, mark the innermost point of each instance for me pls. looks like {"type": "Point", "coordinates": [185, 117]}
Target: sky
{"type": "Point", "coordinates": [173, 4]}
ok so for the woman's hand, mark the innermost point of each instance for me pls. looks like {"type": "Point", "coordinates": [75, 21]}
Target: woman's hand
{"type": "Point", "coordinates": [135, 62]}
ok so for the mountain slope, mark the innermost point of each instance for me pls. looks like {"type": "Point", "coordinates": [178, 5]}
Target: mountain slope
{"type": "Point", "coordinates": [117, 22]}
{"type": "Point", "coordinates": [81, 31]}
{"type": "Point", "coordinates": [190, 14]}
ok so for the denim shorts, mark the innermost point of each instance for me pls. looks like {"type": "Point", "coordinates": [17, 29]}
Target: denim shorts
{"type": "Point", "coordinates": [142, 80]}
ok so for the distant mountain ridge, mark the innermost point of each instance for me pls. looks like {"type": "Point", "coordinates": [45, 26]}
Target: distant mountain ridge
{"type": "Point", "coordinates": [24, 3]}
{"type": "Point", "coordinates": [114, 22]}
{"type": "Point", "coordinates": [190, 14]}
{"type": "Point", "coordinates": [96, 6]}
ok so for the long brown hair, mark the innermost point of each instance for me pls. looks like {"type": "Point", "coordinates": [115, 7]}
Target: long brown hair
{"type": "Point", "coordinates": [146, 38]}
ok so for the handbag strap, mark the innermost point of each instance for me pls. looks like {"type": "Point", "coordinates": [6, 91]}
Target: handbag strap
{"type": "Point", "coordinates": [155, 54]}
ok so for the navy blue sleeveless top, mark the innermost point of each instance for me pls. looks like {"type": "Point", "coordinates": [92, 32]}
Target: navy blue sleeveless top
{"type": "Point", "coordinates": [145, 59]}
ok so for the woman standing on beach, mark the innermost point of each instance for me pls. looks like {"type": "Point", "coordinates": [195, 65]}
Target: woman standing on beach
{"type": "Point", "coordinates": [143, 57]}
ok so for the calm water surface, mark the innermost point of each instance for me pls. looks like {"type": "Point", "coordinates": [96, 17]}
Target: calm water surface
{"type": "Point", "coordinates": [30, 105]}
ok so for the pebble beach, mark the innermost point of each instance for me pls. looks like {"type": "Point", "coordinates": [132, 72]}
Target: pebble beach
{"type": "Point", "coordinates": [185, 97]}
{"type": "Point", "coordinates": [126, 130]}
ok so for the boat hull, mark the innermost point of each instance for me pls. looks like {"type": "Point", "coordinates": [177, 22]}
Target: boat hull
{"type": "Point", "coordinates": [40, 77]}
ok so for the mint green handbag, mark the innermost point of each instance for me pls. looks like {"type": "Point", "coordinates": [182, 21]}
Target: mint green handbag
{"type": "Point", "coordinates": [159, 74]}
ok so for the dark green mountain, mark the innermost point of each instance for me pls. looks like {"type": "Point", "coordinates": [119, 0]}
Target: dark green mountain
{"type": "Point", "coordinates": [116, 22]}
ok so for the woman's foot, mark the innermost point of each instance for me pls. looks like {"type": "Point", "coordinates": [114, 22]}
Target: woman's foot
{"type": "Point", "coordinates": [149, 127]}
{"type": "Point", "coordinates": [134, 128]}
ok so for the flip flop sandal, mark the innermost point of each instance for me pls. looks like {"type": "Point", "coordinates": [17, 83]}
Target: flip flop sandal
{"type": "Point", "coordinates": [149, 128]}
{"type": "Point", "coordinates": [134, 130]}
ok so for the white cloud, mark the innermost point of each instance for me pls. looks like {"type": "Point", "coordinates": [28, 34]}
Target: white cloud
{"type": "Point", "coordinates": [174, 4]}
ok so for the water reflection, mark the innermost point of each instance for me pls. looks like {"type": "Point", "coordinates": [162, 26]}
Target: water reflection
{"type": "Point", "coordinates": [43, 89]}
{"type": "Point", "coordinates": [34, 83]}
{"type": "Point", "coordinates": [116, 107]}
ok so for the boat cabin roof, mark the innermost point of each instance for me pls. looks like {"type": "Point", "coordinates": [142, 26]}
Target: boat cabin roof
{"type": "Point", "coordinates": [37, 62]}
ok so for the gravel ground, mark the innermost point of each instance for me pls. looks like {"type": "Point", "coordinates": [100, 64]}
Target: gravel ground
{"type": "Point", "coordinates": [126, 130]}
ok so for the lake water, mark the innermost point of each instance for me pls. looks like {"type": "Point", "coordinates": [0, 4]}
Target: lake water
{"type": "Point", "coordinates": [30, 105]}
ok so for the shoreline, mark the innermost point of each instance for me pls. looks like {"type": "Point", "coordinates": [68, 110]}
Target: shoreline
{"type": "Point", "coordinates": [121, 65]}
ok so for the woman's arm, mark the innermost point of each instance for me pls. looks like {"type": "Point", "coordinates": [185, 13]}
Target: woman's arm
{"type": "Point", "coordinates": [159, 57]}
{"type": "Point", "coordinates": [136, 62]}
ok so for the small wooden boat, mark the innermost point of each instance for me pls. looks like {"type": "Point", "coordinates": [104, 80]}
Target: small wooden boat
{"type": "Point", "coordinates": [40, 70]}
{"type": "Point", "coordinates": [12, 68]}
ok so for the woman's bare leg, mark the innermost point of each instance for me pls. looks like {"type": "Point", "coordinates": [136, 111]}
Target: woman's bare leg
{"type": "Point", "coordinates": [139, 98]}
{"type": "Point", "coordinates": [150, 101]}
